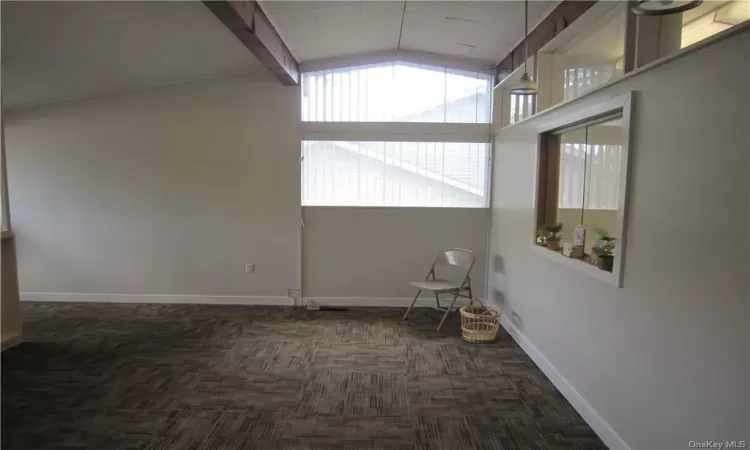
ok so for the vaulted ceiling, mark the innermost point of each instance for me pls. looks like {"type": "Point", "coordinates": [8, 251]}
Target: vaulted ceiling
{"type": "Point", "coordinates": [480, 30]}
{"type": "Point", "coordinates": [59, 50]}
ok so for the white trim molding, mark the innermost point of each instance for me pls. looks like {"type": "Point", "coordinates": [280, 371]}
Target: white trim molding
{"type": "Point", "coordinates": [412, 56]}
{"type": "Point", "coordinates": [397, 131]}
{"type": "Point", "coordinates": [386, 302]}
{"type": "Point", "coordinates": [156, 298]}
{"type": "Point", "coordinates": [392, 302]}
{"type": "Point", "coordinates": [621, 104]}
{"type": "Point", "coordinates": [605, 432]}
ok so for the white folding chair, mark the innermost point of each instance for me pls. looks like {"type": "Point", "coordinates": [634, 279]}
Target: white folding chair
{"type": "Point", "coordinates": [459, 263]}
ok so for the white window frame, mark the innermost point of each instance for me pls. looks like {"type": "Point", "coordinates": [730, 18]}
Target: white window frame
{"type": "Point", "coordinates": [559, 120]}
{"type": "Point", "coordinates": [326, 98]}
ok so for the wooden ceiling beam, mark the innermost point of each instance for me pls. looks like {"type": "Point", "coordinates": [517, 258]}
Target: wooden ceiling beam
{"type": "Point", "coordinates": [559, 19]}
{"type": "Point", "coordinates": [250, 24]}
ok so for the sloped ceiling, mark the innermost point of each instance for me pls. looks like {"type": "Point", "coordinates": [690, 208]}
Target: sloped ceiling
{"type": "Point", "coordinates": [60, 50]}
{"type": "Point", "coordinates": [479, 30]}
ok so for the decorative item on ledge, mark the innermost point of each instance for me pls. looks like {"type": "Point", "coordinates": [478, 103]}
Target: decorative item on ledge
{"type": "Point", "coordinates": [590, 259]}
{"type": "Point", "coordinates": [579, 235]}
{"type": "Point", "coordinates": [572, 250]}
{"type": "Point", "coordinates": [549, 236]}
{"type": "Point", "coordinates": [604, 250]}
{"type": "Point", "coordinates": [541, 237]}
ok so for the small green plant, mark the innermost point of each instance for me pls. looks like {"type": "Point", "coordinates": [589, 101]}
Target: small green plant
{"type": "Point", "coordinates": [549, 236]}
{"type": "Point", "coordinates": [553, 232]}
{"type": "Point", "coordinates": [605, 244]}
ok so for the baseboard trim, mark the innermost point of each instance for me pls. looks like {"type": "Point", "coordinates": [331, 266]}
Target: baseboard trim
{"type": "Point", "coordinates": [11, 341]}
{"type": "Point", "coordinates": [422, 302]}
{"type": "Point", "coordinates": [605, 432]}
{"type": "Point", "coordinates": [156, 298]}
{"type": "Point", "coordinates": [228, 299]}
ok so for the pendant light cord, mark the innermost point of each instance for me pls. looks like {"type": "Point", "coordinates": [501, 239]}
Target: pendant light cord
{"type": "Point", "coordinates": [526, 35]}
{"type": "Point", "coordinates": [401, 30]}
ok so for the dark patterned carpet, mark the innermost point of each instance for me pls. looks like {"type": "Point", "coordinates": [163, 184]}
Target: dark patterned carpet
{"type": "Point", "coordinates": [105, 376]}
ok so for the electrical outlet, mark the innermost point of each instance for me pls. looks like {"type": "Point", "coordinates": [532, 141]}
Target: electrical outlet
{"type": "Point", "coordinates": [293, 293]}
{"type": "Point", "coordinates": [249, 268]}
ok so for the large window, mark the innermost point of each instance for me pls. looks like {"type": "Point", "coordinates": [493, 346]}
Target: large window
{"type": "Point", "coordinates": [396, 92]}
{"type": "Point", "coordinates": [366, 173]}
{"type": "Point", "coordinates": [396, 134]}
{"type": "Point", "coordinates": [592, 59]}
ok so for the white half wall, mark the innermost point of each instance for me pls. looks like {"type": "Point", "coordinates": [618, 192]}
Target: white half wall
{"type": "Point", "coordinates": [375, 252]}
{"type": "Point", "coordinates": [164, 191]}
{"type": "Point", "coordinates": [665, 360]}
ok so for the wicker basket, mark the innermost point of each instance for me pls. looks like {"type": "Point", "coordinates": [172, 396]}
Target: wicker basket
{"type": "Point", "coordinates": [478, 323]}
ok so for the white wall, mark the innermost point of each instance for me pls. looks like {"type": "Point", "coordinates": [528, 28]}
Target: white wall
{"type": "Point", "coordinates": [10, 315]}
{"type": "Point", "coordinates": [172, 190]}
{"type": "Point", "coordinates": [374, 252]}
{"type": "Point", "coordinates": [664, 360]}
{"type": "Point", "coordinates": [168, 190]}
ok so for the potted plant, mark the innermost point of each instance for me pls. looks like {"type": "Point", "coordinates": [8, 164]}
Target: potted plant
{"type": "Point", "coordinates": [604, 250]}
{"type": "Point", "coordinates": [553, 236]}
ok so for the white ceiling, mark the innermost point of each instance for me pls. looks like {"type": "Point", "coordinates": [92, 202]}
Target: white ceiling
{"type": "Point", "coordinates": [59, 50]}
{"type": "Point", "coordinates": [62, 50]}
{"type": "Point", "coordinates": [480, 30]}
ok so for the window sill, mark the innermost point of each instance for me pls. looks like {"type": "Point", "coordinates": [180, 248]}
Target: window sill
{"type": "Point", "coordinates": [577, 265]}
{"type": "Point", "coordinates": [6, 234]}
{"type": "Point", "coordinates": [487, 208]}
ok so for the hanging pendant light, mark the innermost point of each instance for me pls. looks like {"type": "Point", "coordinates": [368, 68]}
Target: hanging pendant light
{"type": "Point", "coordinates": [664, 7]}
{"type": "Point", "coordinates": [526, 86]}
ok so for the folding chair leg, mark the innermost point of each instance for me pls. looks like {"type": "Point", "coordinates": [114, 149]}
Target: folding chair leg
{"type": "Point", "coordinates": [412, 304]}
{"type": "Point", "coordinates": [437, 300]}
{"type": "Point", "coordinates": [447, 311]}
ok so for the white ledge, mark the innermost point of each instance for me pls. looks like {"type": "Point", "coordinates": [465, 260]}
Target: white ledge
{"type": "Point", "coordinates": [578, 265]}
{"type": "Point", "coordinates": [709, 41]}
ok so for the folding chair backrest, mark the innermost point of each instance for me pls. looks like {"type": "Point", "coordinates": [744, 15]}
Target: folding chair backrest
{"type": "Point", "coordinates": [454, 264]}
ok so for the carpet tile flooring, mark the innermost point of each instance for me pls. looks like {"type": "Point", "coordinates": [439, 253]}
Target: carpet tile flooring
{"type": "Point", "coordinates": [167, 377]}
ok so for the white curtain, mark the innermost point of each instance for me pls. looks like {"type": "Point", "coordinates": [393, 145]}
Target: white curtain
{"type": "Point", "coordinates": [589, 176]}
{"type": "Point", "coordinates": [580, 80]}
{"type": "Point", "coordinates": [427, 174]}
{"type": "Point", "coordinates": [396, 92]}
{"type": "Point", "coordinates": [521, 107]}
